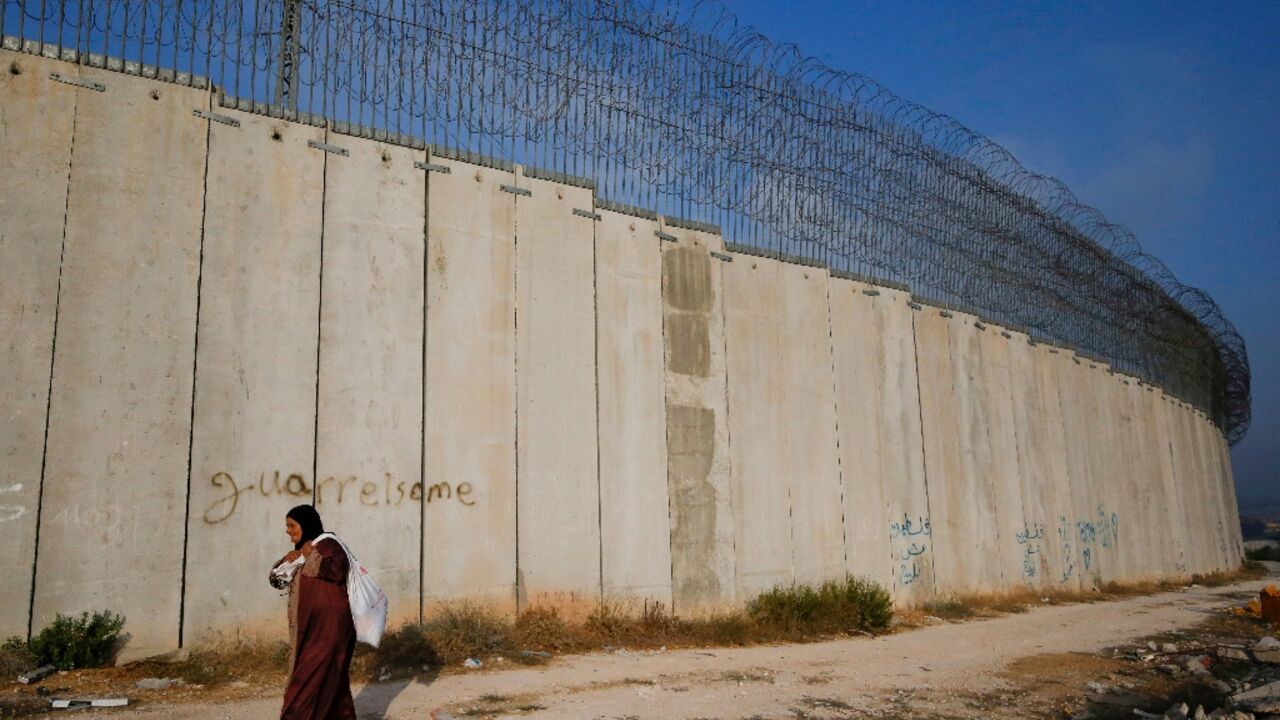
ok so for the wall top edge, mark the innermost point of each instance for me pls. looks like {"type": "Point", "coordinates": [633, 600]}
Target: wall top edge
{"type": "Point", "coordinates": [114, 64]}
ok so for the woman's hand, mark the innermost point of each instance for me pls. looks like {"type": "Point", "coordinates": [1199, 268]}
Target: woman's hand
{"type": "Point", "coordinates": [292, 555]}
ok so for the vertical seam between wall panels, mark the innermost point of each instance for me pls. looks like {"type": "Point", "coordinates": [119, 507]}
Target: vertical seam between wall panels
{"type": "Point", "coordinates": [595, 291]}
{"type": "Point", "coordinates": [782, 364]}
{"type": "Point", "coordinates": [53, 354]}
{"type": "Point", "coordinates": [728, 434]}
{"type": "Point", "coordinates": [666, 423]}
{"type": "Point", "coordinates": [835, 405]}
{"type": "Point", "coordinates": [924, 456]}
{"type": "Point", "coordinates": [195, 364]}
{"type": "Point", "coordinates": [515, 377]}
{"type": "Point", "coordinates": [315, 417]}
{"type": "Point", "coordinates": [422, 420]}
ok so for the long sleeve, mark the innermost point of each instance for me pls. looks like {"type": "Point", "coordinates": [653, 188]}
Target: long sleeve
{"type": "Point", "coordinates": [327, 561]}
{"type": "Point", "coordinates": [274, 580]}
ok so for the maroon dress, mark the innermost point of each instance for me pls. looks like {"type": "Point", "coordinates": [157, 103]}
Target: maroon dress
{"type": "Point", "coordinates": [322, 637]}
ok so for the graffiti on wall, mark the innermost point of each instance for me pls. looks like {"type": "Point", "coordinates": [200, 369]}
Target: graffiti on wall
{"type": "Point", "coordinates": [909, 539]}
{"type": "Point", "coordinates": [1068, 553]}
{"type": "Point", "coordinates": [1103, 530]}
{"type": "Point", "coordinates": [1029, 538]}
{"type": "Point", "coordinates": [11, 512]}
{"type": "Point", "coordinates": [332, 490]}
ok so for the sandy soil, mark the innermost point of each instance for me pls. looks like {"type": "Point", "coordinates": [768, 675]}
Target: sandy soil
{"type": "Point", "coordinates": [1015, 666]}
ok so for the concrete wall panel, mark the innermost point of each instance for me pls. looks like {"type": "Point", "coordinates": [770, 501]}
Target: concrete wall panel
{"type": "Point", "coordinates": [255, 387]}
{"type": "Point", "coordinates": [635, 523]}
{"type": "Point", "coordinates": [1217, 511]}
{"type": "Point", "coordinates": [957, 453]}
{"type": "Point", "coordinates": [1046, 473]}
{"type": "Point", "coordinates": [369, 426]}
{"type": "Point", "coordinates": [1187, 468]}
{"type": "Point", "coordinates": [469, 532]}
{"type": "Point", "coordinates": [858, 350]}
{"type": "Point", "coordinates": [1019, 542]}
{"type": "Point", "coordinates": [754, 307]}
{"type": "Point", "coordinates": [1036, 538]}
{"type": "Point", "coordinates": [809, 433]}
{"type": "Point", "coordinates": [902, 453]}
{"type": "Point", "coordinates": [558, 486]}
{"type": "Point", "coordinates": [698, 440]}
{"type": "Point", "coordinates": [1171, 505]}
{"type": "Point", "coordinates": [120, 403]}
{"type": "Point", "coordinates": [36, 119]}
{"type": "Point", "coordinates": [1069, 380]}
{"type": "Point", "coordinates": [1102, 434]}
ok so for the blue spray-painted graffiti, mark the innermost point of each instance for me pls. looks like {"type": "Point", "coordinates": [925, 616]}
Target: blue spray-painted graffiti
{"type": "Point", "coordinates": [1104, 531]}
{"type": "Point", "coordinates": [1029, 538]}
{"type": "Point", "coordinates": [907, 539]}
{"type": "Point", "coordinates": [1068, 556]}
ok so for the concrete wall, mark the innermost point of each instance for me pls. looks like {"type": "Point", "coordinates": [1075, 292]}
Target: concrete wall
{"type": "Point", "coordinates": [498, 393]}
{"type": "Point", "coordinates": [115, 480]}
{"type": "Point", "coordinates": [37, 120]}
{"type": "Point", "coordinates": [368, 431]}
{"type": "Point", "coordinates": [253, 433]}
{"type": "Point", "coordinates": [703, 561]}
{"type": "Point", "coordinates": [635, 521]}
{"type": "Point", "coordinates": [558, 485]}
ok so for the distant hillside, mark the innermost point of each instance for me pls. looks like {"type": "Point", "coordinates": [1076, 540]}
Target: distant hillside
{"type": "Point", "coordinates": [1259, 521]}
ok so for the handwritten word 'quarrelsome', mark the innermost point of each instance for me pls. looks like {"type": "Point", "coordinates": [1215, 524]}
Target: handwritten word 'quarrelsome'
{"type": "Point", "coordinates": [331, 490]}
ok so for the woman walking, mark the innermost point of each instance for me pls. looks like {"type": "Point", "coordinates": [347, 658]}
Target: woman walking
{"type": "Point", "coordinates": [322, 636]}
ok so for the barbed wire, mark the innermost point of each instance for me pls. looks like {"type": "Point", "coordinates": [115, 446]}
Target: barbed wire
{"type": "Point", "coordinates": [676, 108]}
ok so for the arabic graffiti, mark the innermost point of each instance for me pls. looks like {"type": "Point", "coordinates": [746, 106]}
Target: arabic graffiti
{"type": "Point", "coordinates": [1068, 555]}
{"type": "Point", "coordinates": [1104, 531]}
{"type": "Point", "coordinates": [906, 537]}
{"type": "Point", "coordinates": [1029, 538]}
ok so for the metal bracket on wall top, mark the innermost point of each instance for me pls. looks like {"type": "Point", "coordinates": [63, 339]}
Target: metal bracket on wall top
{"type": "Point", "coordinates": [59, 77]}
{"type": "Point", "coordinates": [872, 293]}
{"type": "Point", "coordinates": [215, 117]}
{"type": "Point", "coordinates": [665, 236]}
{"type": "Point", "coordinates": [586, 214]}
{"type": "Point", "coordinates": [945, 314]}
{"type": "Point", "coordinates": [328, 148]}
{"type": "Point", "coordinates": [979, 325]}
{"type": "Point", "coordinates": [432, 167]}
{"type": "Point", "coordinates": [721, 256]}
{"type": "Point", "coordinates": [525, 192]}
{"type": "Point", "coordinates": [1007, 335]}
{"type": "Point", "coordinates": [914, 305]}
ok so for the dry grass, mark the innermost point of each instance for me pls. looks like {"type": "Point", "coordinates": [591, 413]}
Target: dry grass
{"type": "Point", "coordinates": [983, 605]}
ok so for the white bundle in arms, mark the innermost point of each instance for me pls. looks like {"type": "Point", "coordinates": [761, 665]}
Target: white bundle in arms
{"type": "Point", "coordinates": [368, 602]}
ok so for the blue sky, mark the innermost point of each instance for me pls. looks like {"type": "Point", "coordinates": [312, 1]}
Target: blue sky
{"type": "Point", "coordinates": [1165, 117]}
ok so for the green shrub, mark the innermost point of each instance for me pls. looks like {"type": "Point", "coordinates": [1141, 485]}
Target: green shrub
{"type": "Point", "coordinates": [856, 604]}
{"type": "Point", "coordinates": [79, 642]}
{"type": "Point", "coordinates": [1268, 553]}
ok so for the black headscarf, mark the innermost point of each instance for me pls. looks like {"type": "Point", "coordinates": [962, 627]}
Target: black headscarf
{"type": "Point", "coordinates": [309, 520]}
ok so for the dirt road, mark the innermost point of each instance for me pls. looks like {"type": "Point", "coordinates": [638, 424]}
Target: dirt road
{"type": "Point", "coordinates": [956, 670]}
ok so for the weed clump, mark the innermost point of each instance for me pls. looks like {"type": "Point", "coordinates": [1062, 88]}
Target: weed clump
{"type": "Point", "coordinates": [79, 642]}
{"type": "Point", "coordinates": [854, 605]}
{"type": "Point", "coordinates": [16, 657]}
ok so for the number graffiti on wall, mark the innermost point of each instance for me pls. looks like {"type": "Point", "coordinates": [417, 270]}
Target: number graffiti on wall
{"type": "Point", "coordinates": [331, 490]}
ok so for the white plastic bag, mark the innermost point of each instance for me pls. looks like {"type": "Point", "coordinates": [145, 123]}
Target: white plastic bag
{"type": "Point", "coordinates": [368, 602]}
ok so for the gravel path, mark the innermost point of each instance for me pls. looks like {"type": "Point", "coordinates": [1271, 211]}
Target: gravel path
{"type": "Point", "coordinates": [946, 670]}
